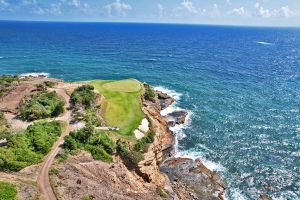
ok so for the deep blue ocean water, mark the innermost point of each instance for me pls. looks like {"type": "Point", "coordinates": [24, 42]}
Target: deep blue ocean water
{"type": "Point", "coordinates": [242, 85]}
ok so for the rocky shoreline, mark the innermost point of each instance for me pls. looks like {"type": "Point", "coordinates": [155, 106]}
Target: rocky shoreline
{"type": "Point", "coordinates": [189, 179]}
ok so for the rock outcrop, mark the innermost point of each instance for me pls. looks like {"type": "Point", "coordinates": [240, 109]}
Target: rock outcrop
{"type": "Point", "coordinates": [189, 179]}
{"type": "Point", "coordinates": [81, 176]}
{"type": "Point", "coordinates": [264, 197]}
{"type": "Point", "coordinates": [197, 180]}
{"type": "Point", "coordinates": [177, 117]}
{"type": "Point", "coordinates": [164, 99]}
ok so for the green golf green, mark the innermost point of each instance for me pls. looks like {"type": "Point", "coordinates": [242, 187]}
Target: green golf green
{"type": "Point", "coordinates": [122, 103]}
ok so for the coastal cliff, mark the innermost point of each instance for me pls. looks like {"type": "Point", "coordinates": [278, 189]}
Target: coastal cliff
{"type": "Point", "coordinates": [76, 174]}
{"type": "Point", "coordinates": [189, 179]}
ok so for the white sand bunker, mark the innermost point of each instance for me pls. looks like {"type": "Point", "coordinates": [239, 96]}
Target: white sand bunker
{"type": "Point", "coordinates": [138, 134]}
{"type": "Point", "coordinates": [142, 129]}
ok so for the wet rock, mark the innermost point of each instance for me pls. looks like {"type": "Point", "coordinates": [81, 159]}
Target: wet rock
{"type": "Point", "coordinates": [195, 177]}
{"type": "Point", "coordinates": [164, 99]}
{"type": "Point", "coordinates": [177, 117]}
{"type": "Point", "coordinates": [264, 197]}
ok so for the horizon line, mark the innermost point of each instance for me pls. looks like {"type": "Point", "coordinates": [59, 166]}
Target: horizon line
{"type": "Point", "coordinates": [138, 22]}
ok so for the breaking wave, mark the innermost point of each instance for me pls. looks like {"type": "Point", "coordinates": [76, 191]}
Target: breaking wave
{"type": "Point", "coordinates": [34, 74]}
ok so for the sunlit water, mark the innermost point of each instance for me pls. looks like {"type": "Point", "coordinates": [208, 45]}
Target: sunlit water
{"type": "Point", "coordinates": [241, 85]}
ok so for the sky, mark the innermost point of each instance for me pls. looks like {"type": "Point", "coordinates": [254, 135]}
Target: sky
{"type": "Point", "coordinates": [222, 12]}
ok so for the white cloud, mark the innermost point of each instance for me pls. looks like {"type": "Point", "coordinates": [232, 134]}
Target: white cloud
{"type": "Point", "coordinates": [238, 11]}
{"type": "Point", "coordinates": [286, 11]}
{"type": "Point", "coordinates": [161, 10]}
{"type": "Point", "coordinates": [75, 3]}
{"type": "Point", "coordinates": [52, 9]}
{"type": "Point", "coordinates": [186, 7]}
{"type": "Point", "coordinates": [117, 8]}
{"type": "Point", "coordinates": [215, 11]}
{"type": "Point", "coordinates": [228, 2]}
{"type": "Point", "coordinates": [262, 12]}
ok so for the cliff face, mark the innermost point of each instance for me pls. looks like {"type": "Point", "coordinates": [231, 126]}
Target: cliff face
{"type": "Point", "coordinates": [186, 178]}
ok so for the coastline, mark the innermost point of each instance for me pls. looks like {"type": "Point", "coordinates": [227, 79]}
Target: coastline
{"type": "Point", "coordinates": [189, 177]}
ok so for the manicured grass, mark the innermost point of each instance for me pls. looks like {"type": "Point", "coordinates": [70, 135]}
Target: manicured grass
{"type": "Point", "coordinates": [7, 191]}
{"type": "Point", "coordinates": [122, 106]}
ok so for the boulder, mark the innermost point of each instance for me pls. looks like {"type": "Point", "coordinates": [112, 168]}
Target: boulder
{"type": "Point", "coordinates": [195, 177]}
{"type": "Point", "coordinates": [177, 117]}
{"type": "Point", "coordinates": [264, 197]}
{"type": "Point", "coordinates": [164, 99]}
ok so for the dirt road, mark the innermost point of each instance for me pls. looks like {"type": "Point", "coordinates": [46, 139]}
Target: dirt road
{"type": "Point", "coordinates": [43, 177]}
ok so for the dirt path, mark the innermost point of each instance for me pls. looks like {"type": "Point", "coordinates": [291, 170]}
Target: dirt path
{"type": "Point", "coordinates": [43, 177]}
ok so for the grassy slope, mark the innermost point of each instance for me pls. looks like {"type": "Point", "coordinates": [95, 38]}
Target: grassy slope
{"type": "Point", "coordinates": [7, 191]}
{"type": "Point", "coordinates": [122, 103]}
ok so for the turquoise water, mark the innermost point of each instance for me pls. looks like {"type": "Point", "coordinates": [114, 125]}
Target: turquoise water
{"type": "Point", "coordinates": [241, 85]}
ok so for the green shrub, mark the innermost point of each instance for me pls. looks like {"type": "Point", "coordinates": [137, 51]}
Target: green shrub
{"type": "Point", "coordinates": [83, 95]}
{"type": "Point", "coordinates": [6, 79]}
{"type": "Point", "coordinates": [121, 148]}
{"type": "Point", "coordinates": [98, 144]}
{"type": "Point", "coordinates": [98, 153]}
{"type": "Point", "coordinates": [42, 135]}
{"type": "Point", "coordinates": [83, 135]}
{"type": "Point", "coordinates": [41, 87]}
{"type": "Point", "coordinates": [70, 143]}
{"type": "Point", "coordinates": [133, 157]}
{"type": "Point", "coordinates": [90, 116]}
{"type": "Point", "coordinates": [149, 93]}
{"type": "Point", "coordinates": [140, 144]}
{"type": "Point", "coordinates": [86, 197]}
{"type": "Point", "coordinates": [29, 147]}
{"type": "Point", "coordinates": [5, 83]}
{"type": "Point", "coordinates": [49, 84]}
{"type": "Point", "coordinates": [41, 105]}
{"type": "Point", "coordinates": [4, 128]}
{"type": "Point", "coordinates": [63, 155]}
{"type": "Point", "coordinates": [53, 171]}
{"type": "Point", "coordinates": [8, 191]}
{"type": "Point", "coordinates": [103, 140]}
{"type": "Point", "coordinates": [161, 193]}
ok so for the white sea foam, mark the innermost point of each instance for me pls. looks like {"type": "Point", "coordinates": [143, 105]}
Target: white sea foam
{"type": "Point", "coordinates": [264, 43]}
{"type": "Point", "coordinates": [172, 93]}
{"type": "Point", "coordinates": [207, 163]}
{"type": "Point", "coordinates": [286, 195]}
{"type": "Point", "coordinates": [261, 127]}
{"type": "Point", "coordinates": [34, 74]}
{"type": "Point", "coordinates": [235, 194]}
{"type": "Point", "coordinates": [179, 133]}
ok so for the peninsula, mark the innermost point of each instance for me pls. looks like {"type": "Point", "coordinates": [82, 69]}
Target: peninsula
{"type": "Point", "coordinates": [98, 139]}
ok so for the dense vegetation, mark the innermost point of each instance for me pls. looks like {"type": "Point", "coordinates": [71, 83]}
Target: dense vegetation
{"type": "Point", "coordinates": [140, 144]}
{"type": "Point", "coordinates": [121, 104]}
{"type": "Point", "coordinates": [41, 105]}
{"type": "Point", "coordinates": [49, 84]}
{"type": "Point", "coordinates": [8, 191]}
{"type": "Point", "coordinates": [130, 157]}
{"type": "Point", "coordinates": [5, 83]}
{"type": "Point", "coordinates": [149, 93]}
{"type": "Point", "coordinates": [29, 147]}
{"type": "Point", "coordinates": [4, 128]}
{"type": "Point", "coordinates": [83, 95]}
{"type": "Point", "coordinates": [83, 99]}
{"type": "Point", "coordinates": [97, 143]}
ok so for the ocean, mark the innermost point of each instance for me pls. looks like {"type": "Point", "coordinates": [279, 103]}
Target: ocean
{"type": "Point", "coordinates": [241, 86]}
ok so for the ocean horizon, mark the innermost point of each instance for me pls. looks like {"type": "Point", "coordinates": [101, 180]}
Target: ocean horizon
{"type": "Point", "coordinates": [241, 86]}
